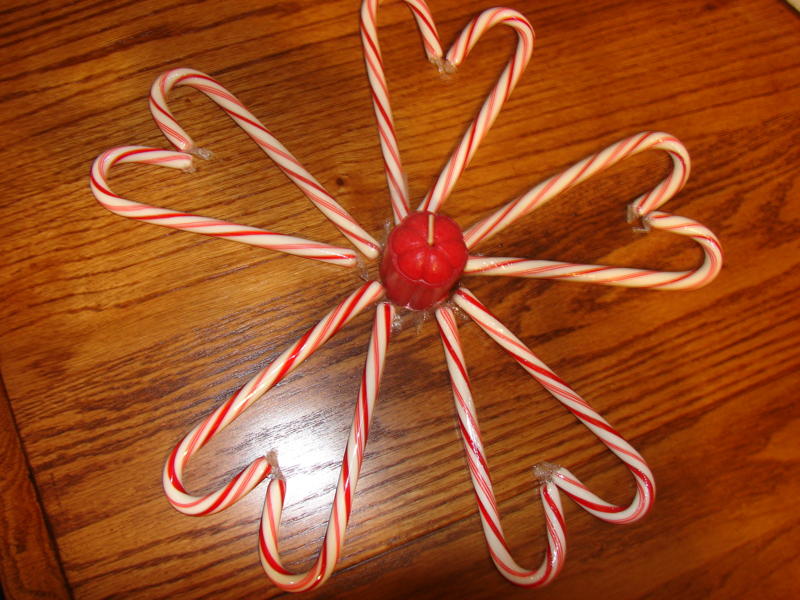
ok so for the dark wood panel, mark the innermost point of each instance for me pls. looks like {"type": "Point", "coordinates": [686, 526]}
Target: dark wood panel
{"type": "Point", "coordinates": [29, 563]}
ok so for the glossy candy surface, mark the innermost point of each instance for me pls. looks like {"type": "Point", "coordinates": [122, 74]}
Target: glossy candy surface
{"type": "Point", "coordinates": [424, 258]}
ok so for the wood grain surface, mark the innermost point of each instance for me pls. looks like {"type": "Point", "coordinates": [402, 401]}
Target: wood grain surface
{"type": "Point", "coordinates": [117, 337]}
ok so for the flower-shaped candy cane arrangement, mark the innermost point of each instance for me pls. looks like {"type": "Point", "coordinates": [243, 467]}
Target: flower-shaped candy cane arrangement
{"type": "Point", "coordinates": [421, 266]}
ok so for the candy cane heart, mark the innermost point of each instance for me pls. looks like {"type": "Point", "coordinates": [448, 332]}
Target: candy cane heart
{"type": "Point", "coordinates": [508, 78]}
{"type": "Point", "coordinates": [348, 476]}
{"type": "Point", "coordinates": [494, 102]}
{"type": "Point", "coordinates": [481, 480]}
{"type": "Point", "coordinates": [552, 475]}
{"type": "Point", "coordinates": [262, 136]}
{"type": "Point", "coordinates": [167, 217]}
{"type": "Point", "coordinates": [253, 474]}
{"type": "Point", "coordinates": [643, 207]}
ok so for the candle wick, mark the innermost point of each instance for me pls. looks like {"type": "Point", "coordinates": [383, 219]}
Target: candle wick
{"type": "Point", "coordinates": [430, 229]}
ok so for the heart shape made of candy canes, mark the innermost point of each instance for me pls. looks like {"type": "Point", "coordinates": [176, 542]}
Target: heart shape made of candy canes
{"type": "Point", "coordinates": [458, 52]}
{"type": "Point", "coordinates": [644, 208]}
{"type": "Point", "coordinates": [98, 182]}
{"type": "Point", "coordinates": [553, 479]}
{"type": "Point", "coordinates": [261, 136]}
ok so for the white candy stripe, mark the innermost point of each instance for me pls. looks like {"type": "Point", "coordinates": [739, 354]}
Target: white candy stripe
{"type": "Point", "coordinates": [584, 169]}
{"type": "Point", "coordinates": [252, 475]}
{"type": "Point", "coordinates": [348, 476]}
{"type": "Point", "coordinates": [495, 100]}
{"type": "Point", "coordinates": [189, 222]}
{"type": "Point", "coordinates": [620, 276]}
{"type": "Point", "coordinates": [263, 137]}
{"type": "Point", "coordinates": [393, 166]}
{"type": "Point", "coordinates": [481, 480]}
{"type": "Point", "coordinates": [645, 485]}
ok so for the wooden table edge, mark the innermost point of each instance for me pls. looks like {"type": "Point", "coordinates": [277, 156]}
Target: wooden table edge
{"type": "Point", "coordinates": [30, 566]}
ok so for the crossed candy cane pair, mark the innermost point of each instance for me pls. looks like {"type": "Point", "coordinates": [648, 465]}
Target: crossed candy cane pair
{"type": "Point", "coordinates": [552, 478]}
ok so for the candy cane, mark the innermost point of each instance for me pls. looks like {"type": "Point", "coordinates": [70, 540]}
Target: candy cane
{"type": "Point", "coordinates": [481, 480]}
{"type": "Point", "coordinates": [584, 169]}
{"type": "Point", "coordinates": [188, 222]}
{"type": "Point", "coordinates": [495, 100]}
{"type": "Point", "coordinates": [263, 137]}
{"type": "Point", "coordinates": [252, 475]}
{"type": "Point", "coordinates": [393, 166]}
{"type": "Point", "coordinates": [348, 477]}
{"type": "Point", "coordinates": [620, 276]}
{"type": "Point", "coordinates": [645, 485]}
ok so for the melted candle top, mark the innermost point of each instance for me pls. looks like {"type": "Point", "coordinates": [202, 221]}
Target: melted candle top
{"type": "Point", "coordinates": [424, 258]}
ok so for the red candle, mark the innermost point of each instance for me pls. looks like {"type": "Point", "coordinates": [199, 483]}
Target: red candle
{"type": "Point", "coordinates": [424, 258]}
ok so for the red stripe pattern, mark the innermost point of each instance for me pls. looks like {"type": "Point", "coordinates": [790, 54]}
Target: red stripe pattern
{"type": "Point", "coordinates": [265, 140]}
{"type": "Point", "coordinates": [258, 470]}
{"type": "Point", "coordinates": [166, 217]}
{"type": "Point", "coordinates": [584, 169]}
{"type": "Point", "coordinates": [348, 476]}
{"type": "Point", "coordinates": [552, 478]}
{"type": "Point", "coordinates": [555, 552]}
{"type": "Point", "coordinates": [393, 167]}
{"type": "Point", "coordinates": [561, 477]}
{"type": "Point", "coordinates": [494, 102]}
{"type": "Point", "coordinates": [643, 209]}
{"type": "Point", "coordinates": [619, 276]}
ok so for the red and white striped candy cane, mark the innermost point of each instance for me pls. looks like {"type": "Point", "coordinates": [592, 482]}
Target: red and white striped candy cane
{"type": "Point", "coordinates": [591, 165]}
{"type": "Point", "coordinates": [645, 486]}
{"type": "Point", "coordinates": [552, 475]}
{"type": "Point", "coordinates": [253, 474]}
{"type": "Point", "coordinates": [643, 207]}
{"type": "Point", "coordinates": [348, 476]}
{"type": "Point", "coordinates": [495, 100]}
{"type": "Point", "coordinates": [620, 276]}
{"type": "Point", "coordinates": [188, 222]}
{"type": "Point", "coordinates": [482, 482]}
{"type": "Point", "coordinates": [393, 166]}
{"type": "Point", "coordinates": [263, 137]}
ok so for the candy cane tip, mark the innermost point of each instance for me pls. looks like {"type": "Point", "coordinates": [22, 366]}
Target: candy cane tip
{"type": "Point", "coordinates": [363, 268]}
{"type": "Point", "coordinates": [545, 472]}
{"type": "Point", "coordinates": [640, 223]}
{"type": "Point", "coordinates": [371, 252]}
{"type": "Point", "coordinates": [274, 471]}
{"type": "Point", "coordinates": [203, 153]}
{"type": "Point", "coordinates": [444, 66]}
{"type": "Point", "coordinates": [644, 225]}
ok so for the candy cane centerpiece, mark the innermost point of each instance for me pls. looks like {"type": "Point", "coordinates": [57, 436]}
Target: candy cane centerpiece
{"type": "Point", "coordinates": [422, 264]}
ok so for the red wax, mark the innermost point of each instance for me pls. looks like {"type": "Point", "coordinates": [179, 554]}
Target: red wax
{"type": "Point", "coordinates": [424, 258]}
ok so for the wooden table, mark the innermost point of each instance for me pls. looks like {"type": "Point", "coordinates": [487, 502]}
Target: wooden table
{"type": "Point", "coordinates": [116, 337]}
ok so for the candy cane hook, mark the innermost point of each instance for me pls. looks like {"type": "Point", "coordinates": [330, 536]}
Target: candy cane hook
{"type": "Point", "coordinates": [285, 160]}
{"type": "Point", "coordinates": [348, 476]}
{"type": "Point", "coordinates": [393, 166]}
{"type": "Point", "coordinates": [644, 207]}
{"type": "Point", "coordinates": [252, 475]}
{"type": "Point", "coordinates": [481, 480]}
{"type": "Point", "coordinates": [619, 276]}
{"type": "Point", "coordinates": [645, 485]}
{"type": "Point", "coordinates": [494, 102]}
{"type": "Point", "coordinates": [553, 477]}
{"type": "Point", "coordinates": [98, 181]}
{"type": "Point", "coordinates": [581, 171]}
